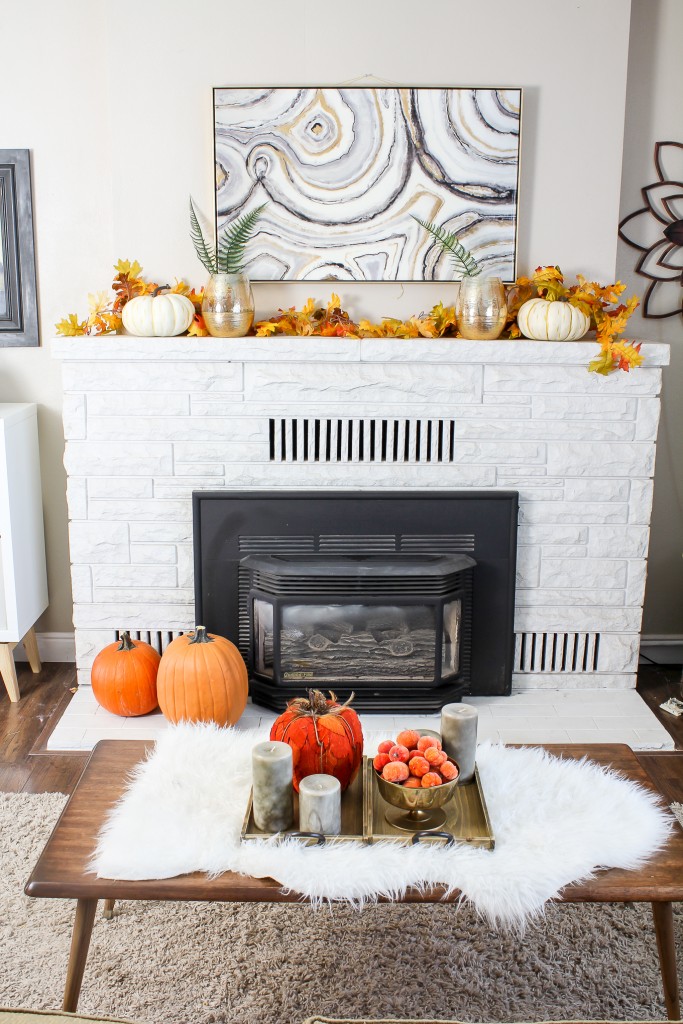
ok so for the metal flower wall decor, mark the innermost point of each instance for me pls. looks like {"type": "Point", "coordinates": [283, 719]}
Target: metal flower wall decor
{"type": "Point", "coordinates": [656, 231]}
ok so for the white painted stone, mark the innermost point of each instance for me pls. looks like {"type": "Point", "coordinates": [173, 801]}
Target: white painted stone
{"type": "Point", "coordinates": [618, 652]}
{"type": "Point", "coordinates": [168, 428]}
{"type": "Point", "coordinates": [640, 502]}
{"type": "Point", "coordinates": [556, 379]}
{"type": "Point", "coordinates": [647, 421]}
{"type": "Point", "coordinates": [547, 597]}
{"type": "Point", "coordinates": [120, 487]}
{"type": "Point", "coordinates": [534, 489]}
{"type": "Point", "coordinates": [584, 573]}
{"type": "Point", "coordinates": [73, 415]}
{"type": "Point", "coordinates": [77, 497]}
{"type": "Point", "coordinates": [522, 681]}
{"type": "Point", "coordinates": [143, 509]}
{"type": "Point", "coordinates": [90, 642]}
{"type": "Point", "coordinates": [90, 458]}
{"type": "Point", "coordinates": [373, 474]}
{"type": "Point", "coordinates": [162, 533]}
{"type": "Point", "coordinates": [518, 398]}
{"type": "Point", "coordinates": [130, 615]}
{"type": "Point", "coordinates": [635, 588]}
{"type": "Point", "coordinates": [627, 542]}
{"type": "Point", "coordinates": [578, 407]}
{"type": "Point", "coordinates": [250, 425]}
{"type": "Point", "coordinates": [182, 487]}
{"type": "Point", "coordinates": [578, 619]}
{"type": "Point", "coordinates": [185, 566]}
{"type": "Point", "coordinates": [556, 534]}
{"type": "Point", "coordinates": [363, 382]}
{"type": "Point", "coordinates": [594, 489]}
{"type": "Point", "coordinates": [137, 403]}
{"type": "Point", "coordinates": [99, 543]}
{"type": "Point", "coordinates": [153, 554]}
{"type": "Point", "coordinates": [211, 377]}
{"type": "Point", "coordinates": [527, 430]}
{"type": "Point", "coordinates": [585, 459]}
{"type": "Point", "coordinates": [142, 576]}
{"type": "Point", "coordinates": [213, 469]}
{"type": "Point", "coordinates": [564, 551]}
{"type": "Point", "coordinates": [81, 583]}
{"type": "Point", "coordinates": [528, 566]}
{"type": "Point", "coordinates": [572, 512]}
{"type": "Point", "coordinates": [498, 452]}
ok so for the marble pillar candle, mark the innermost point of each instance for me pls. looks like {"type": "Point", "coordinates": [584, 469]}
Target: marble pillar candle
{"type": "Point", "coordinates": [459, 737]}
{"type": "Point", "coordinates": [320, 805]}
{"type": "Point", "coordinates": [272, 781]}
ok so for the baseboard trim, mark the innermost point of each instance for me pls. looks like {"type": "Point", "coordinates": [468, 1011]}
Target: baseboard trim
{"type": "Point", "coordinates": [59, 647]}
{"type": "Point", "coordinates": [664, 650]}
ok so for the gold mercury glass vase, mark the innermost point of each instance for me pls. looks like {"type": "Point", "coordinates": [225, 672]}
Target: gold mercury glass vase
{"type": "Point", "coordinates": [480, 308]}
{"type": "Point", "coordinates": [228, 305]}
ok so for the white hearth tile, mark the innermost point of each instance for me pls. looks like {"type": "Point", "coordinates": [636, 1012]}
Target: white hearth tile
{"type": "Point", "coordinates": [529, 737]}
{"type": "Point", "coordinates": [654, 739]}
{"type": "Point", "coordinates": [66, 739]}
{"type": "Point", "coordinates": [612, 735]}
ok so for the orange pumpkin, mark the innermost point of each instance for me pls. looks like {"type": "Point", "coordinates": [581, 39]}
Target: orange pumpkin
{"type": "Point", "coordinates": [202, 678]}
{"type": "Point", "coordinates": [325, 736]}
{"type": "Point", "coordinates": [124, 677]}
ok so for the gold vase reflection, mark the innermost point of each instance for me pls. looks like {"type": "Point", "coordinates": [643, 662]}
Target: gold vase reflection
{"type": "Point", "coordinates": [480, 308]}
{"type": "Point", "coordinates": [228, 305]}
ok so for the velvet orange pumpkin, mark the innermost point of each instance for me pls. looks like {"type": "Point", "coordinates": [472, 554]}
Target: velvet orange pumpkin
{"type": "Point", "coordinates": [124, 677]}
{"type": "Point", "coordinates": [325, 736]}
{"type": "Point", "coordinates": [202, 678]}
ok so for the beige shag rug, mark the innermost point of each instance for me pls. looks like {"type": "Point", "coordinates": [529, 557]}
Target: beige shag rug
{"type": "Point", "coordinates": [171, 963]}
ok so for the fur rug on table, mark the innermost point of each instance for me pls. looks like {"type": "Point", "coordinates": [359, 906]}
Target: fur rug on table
{"type": "Point", "coordinates": [199, 963]}
{"type": "Point", "coordinates": [555, 821]}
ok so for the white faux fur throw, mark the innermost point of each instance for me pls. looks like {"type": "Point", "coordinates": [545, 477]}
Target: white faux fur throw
{"type": "Point", "coordinates": [555, 821]}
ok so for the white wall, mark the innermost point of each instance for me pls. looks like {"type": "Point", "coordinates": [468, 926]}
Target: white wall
{"type": "Point", "coordinates": [119, 121]}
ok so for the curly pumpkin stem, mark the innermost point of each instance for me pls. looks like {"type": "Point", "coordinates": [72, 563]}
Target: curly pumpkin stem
{"type": "Point", "coordinates": [316, 704]}
{"type": "Point", "coordinates": [160, 288]}
{"type": "Point", "coordinates": [126, 642]}
{"type": "Point", "coordinates": [201, 636]}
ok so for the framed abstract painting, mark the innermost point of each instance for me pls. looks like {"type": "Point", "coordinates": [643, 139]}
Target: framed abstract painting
{"type": "Point", "coordinates": [343, 170]}
{"type": "Point", "coordinates": [18, 299]}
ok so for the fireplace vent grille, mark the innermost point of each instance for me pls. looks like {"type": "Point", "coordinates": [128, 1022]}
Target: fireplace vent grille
{"type": "Point", "coordinates": [557, 652]}
{"type": "Point", "coordinates": [368, 439]}
{"type": "Point", "coordinates": [159, 639]}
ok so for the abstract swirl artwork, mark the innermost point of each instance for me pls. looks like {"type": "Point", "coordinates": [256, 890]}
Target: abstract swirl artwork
{"type": "Point", "coordinates": [343, 169]}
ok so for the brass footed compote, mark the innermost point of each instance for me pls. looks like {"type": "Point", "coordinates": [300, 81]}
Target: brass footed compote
{"type": "Point", "coordinates": [416, 810]}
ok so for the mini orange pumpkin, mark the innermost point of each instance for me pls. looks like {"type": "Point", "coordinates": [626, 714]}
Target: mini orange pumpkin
{"type": "Point", "coordinates": [325, 736]}
{"type": "Point", "coordinates": [202, 678]}
{"type": "Point", "coordinates": [124, 677]}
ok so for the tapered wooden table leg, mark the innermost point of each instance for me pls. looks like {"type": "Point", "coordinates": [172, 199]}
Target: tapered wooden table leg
{"type": "Point", "coordinates": [664, 930]}
{"type": "Point", "coordinates": [108, 911]}
{"type": "Point", "coordinates": [80, 941]}
{"type": "Point", "coordinates": [31, 647]}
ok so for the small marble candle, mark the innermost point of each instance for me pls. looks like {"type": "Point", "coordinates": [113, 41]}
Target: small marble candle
{"type": "Point", "coordinates": [459, 737]}
{"type": "Point", "coordinates": [320, 805]}
{"type": "Point", "coordinates": [272, 780]}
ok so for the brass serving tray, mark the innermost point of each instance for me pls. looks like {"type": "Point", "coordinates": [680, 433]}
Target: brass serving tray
{"type": "Point", "coordinates": [467, 817]}
{"type": "Point", "coordinates": [363, 815]}
{"type": "Point", "coordinates": [351, 816]}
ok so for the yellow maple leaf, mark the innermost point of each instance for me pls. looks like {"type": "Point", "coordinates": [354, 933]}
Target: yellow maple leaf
{"type": "Point", "coordinates": [98, 302]}
{"type": "Point", "coordinates": [126, 267]}
{"type": "Point", "coordinates": [308, 307]}
{"type": "Point", "coordinates": [71, 327]}
{"type": "Point", "coordinates": [180, 288]}
{"type": "Point", "coordinates": [197, 328]}
{"type": "Point", "coordinates": [264, 328]}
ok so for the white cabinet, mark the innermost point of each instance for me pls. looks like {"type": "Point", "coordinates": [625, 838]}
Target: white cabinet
{"type": "Point", "coordinates": [23, 579]}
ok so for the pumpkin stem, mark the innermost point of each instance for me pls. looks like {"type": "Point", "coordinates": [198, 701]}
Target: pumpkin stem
{"type": "Point", "coordinates": [126, 642]}
{"type": "Point", "coordinates": [317, 704]}
{"type": "Point", "coordinates": [160, 288]}
{"type": "Point", "coordinates": [201, 636]}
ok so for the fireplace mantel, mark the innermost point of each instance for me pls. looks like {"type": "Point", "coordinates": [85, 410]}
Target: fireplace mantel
{"type": "Point", "coordinates": [150, 420]}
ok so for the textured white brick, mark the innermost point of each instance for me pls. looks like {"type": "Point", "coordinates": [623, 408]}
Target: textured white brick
{"type": "Point", "coordinates": [213, 469]}
{"type": "Point", "coordinates": [81, 583]}
{"type": "Point", "coordinates": [512, 454]}
{"type": "Point", "coordinates": [153, 554]}
{"type": "Point", "coordinates": [578, 619]}
{"type": "Point", "coordinates": [532, 489]}
{"type": "Point", "coordinates": [137, 403]}
{"type": "Point", "coordinates": [528, 430]}
{"type": "Point", "coordinates": [77, 497]}
{"type": "Point", "coordinates": [253, 426]}
{"type": "Point", "coordinates": [564, 550]}
{"type": "Point", "coordinates": [334, 474]}
{"type": "Point", "coordinates": [647, 420]}
{"type": "Point", "coordinates": [181, 376]}
{"type": "Point", "coordinates": [362, 383]}
{"type": "Point", "coordinates": [140, 595]}
{"type": "Point", "coordinates": [624, 542]}
{"type": "Point", "coordinates": [552, 535]}
{"type": "Point", "coordinates": [635, 588]}
{"type": "Point", "coordinates": [168, 428]}
{"type": "Point", "coordinates": [185, 565]}
{"type": "Point", "coordinates": [99, 543]}
{"type": "Point", "coordinates": [595, 489]}
{"type": "Point", "coordinates": [572, 512]}
{"type": "Point", "coordinates": [132, 615]}
{"type": "Point", "coordinates": [584, 573]}
{"type": "Point", "coordinates": [559, 407]}
{"type": "Point", "coordinates": [120, 487]}
{"type": "Point", "coordinates": [90, 642]}
{"type": "Point", "coordinates": [574, 681]}
{"type": "Point", "coordinates": [618, 652]}
{"type": "Point", "coordinates": [98, 458]}
{"type": "Point", "coordinates": [73, 414]}
{"type": "Point", "coordinates": [568, 380]}
{"type": "Point", "coordinates": [528, 566]}
{"type": "Point", "coordinates": [133, 576]}
{"type": "Point", "coordinates": [514, 399]}
{"type": "Point", "coordinates": [546, 597]}
{"type": "Point", "coordinates": [143, 509]}
{"type": "Point", "coordinates": [184, 486]}
{"type": "Point", "coordinates": [640, 502]}
{"type": "Point", "coordinates": [162, 533]}
{"type": "Point", "coordinates": [587, 458]}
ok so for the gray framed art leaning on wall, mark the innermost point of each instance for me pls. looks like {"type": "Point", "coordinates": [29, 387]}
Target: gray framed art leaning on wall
{"type": "Point", "coordinates": [18, 297]}
{"type": "Point", "coordinates": [343, 169]}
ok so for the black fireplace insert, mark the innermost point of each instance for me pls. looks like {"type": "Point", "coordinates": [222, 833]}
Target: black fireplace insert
{"type": "Point", "coordinates": [405, 598]}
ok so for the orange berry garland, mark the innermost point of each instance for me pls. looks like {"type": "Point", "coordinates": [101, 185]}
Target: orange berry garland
{"type": "Point", "coordinates": [414, 761]}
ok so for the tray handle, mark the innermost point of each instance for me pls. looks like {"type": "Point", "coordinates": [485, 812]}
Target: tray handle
{"type": "Point", "coordinates": [419, 836]}
{"type": "Point", "coordinates": [318, 836]}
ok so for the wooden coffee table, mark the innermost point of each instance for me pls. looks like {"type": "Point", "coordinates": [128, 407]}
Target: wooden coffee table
{"type": "Point", "coordinates": [62, 870]}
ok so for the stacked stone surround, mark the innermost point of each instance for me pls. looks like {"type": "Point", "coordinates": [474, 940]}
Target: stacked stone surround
{"type": "Point", "coordinates": [150, 420]}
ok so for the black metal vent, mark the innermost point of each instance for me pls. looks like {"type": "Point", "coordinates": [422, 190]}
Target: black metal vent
{"type": "Point", "coordinates": [159, 639]}
{"type": "Point", "coordinates": [557, 652]}
{"type": "Point", "coordinates": [368, 439]}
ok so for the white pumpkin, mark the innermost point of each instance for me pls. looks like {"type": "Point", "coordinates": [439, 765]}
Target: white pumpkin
{"type": "Point", "coordinates": [160, 315]}
{"type": "Point", "coordinates": [542, 320]}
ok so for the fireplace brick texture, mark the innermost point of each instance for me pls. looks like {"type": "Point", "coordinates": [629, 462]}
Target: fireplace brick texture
{"type": "Point", "coordinates": [198, 414]}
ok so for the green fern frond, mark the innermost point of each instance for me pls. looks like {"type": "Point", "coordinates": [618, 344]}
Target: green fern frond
{"type": "Point", "coordinates": [462, 258]}
{"type": "Point", "coordinates": [233, 242]}
{"type": "Point", "coordinates": [205, 251]}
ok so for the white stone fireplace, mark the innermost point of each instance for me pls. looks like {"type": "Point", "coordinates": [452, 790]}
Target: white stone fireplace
{"type": "Point", "coordinates": [149, 421]}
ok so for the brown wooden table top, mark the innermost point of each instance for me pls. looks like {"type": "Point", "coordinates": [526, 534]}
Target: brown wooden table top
{"type": "Point", "coordinates": [62, 870]}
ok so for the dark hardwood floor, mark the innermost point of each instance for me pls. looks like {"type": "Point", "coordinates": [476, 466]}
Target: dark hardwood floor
{"type": "Point", "coordinates": [25, 767]}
